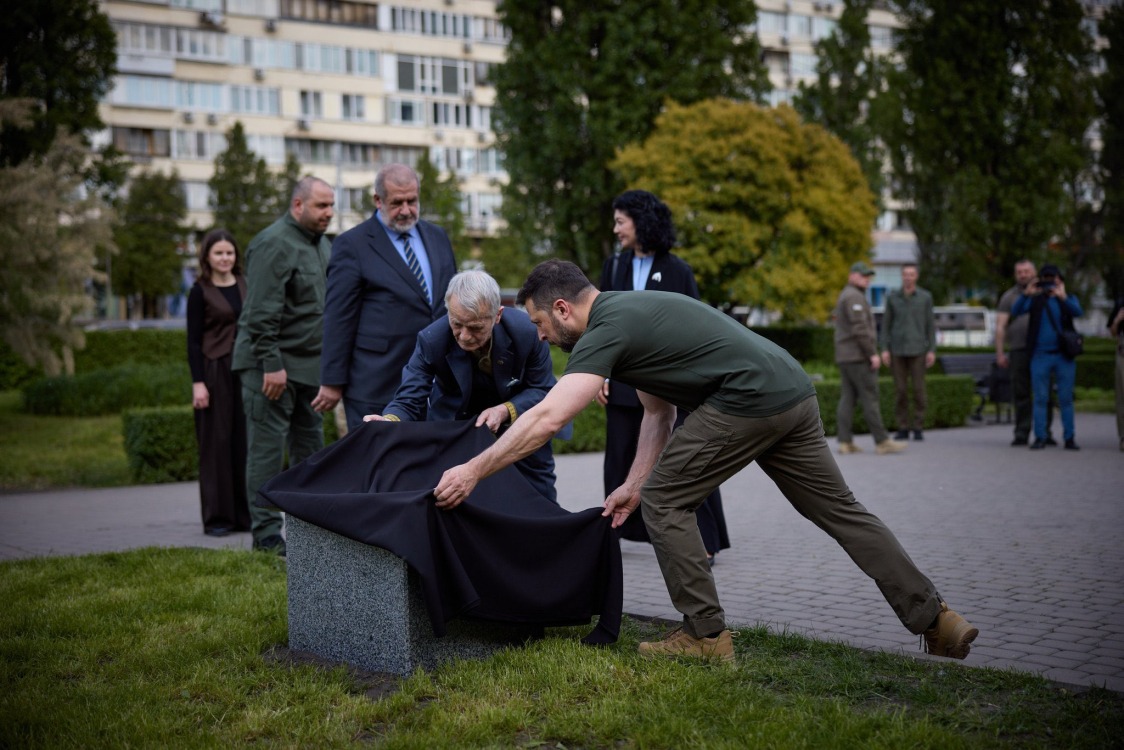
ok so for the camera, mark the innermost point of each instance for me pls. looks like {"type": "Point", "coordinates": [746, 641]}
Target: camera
{"type": "Point", "coordinates": [1046, 285]}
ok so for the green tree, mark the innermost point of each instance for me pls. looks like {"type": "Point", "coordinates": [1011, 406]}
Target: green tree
{"type": "Point", "coordinates": [583, 79]}
{"type": "Point", "coordinates": [993, 102]}
{"type": "Point", "coordinates": [246, 196]}
{"type": "Point", "coordinates": [62, 54]}
{"type": "Point", "coordinates": [1109, 86]}
{"type": "Point", "coordinates": [49, 229]}
{"type": "Point", "coordinates": [845, 95]}
{"type": "Point", "coordinates": [147, 236]}
{"type": "Point", "coordinates": [770, 211]}
{"type": "Point", "coordinates": [441, 204]}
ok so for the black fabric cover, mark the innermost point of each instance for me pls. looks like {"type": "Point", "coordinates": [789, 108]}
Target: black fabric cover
{"type": "Point", "coordinates": [505, 554]}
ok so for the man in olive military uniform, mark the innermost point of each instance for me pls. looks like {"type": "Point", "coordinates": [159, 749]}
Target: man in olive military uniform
{"type": "Point", "coordinates": [277, 351]}
{"type": "Point", "coordinates": [856, 353]}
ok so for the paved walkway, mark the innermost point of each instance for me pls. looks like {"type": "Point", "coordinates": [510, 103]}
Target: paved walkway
{"type": "Point", "coordinates": [1027, 545]}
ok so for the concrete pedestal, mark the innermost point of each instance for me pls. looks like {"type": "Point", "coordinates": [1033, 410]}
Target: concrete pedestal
{"type": "Point", "coordinates": [359, 604]}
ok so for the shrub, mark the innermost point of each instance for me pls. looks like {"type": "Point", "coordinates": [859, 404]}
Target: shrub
{"type": "Point", "coordinates": [160, 444]}
{"type": "Point", "coordinates": [152, 346]}
{"type": "Point", "coordinates": [949, 401]}
{"type": "Point", "coordinates": [109, 391]}
{"type": "Point", "coordinates": [805, 343]}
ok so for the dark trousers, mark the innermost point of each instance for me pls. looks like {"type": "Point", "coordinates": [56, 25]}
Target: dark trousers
{"type": "Point", "coordinates": [622, 431]}
{"type": "Point", "coordinates": [274, 428]}
{"type": "Point", "coordinates": [909, 380]}
{"type": "Point", "coordinates": [220, 431]}
{"type": "Point", "coordinates": [857, 382]}
{"type": "Point", "coordinates": [1023, 397]}
{"type": "Point", "coordinates": [790, 447]}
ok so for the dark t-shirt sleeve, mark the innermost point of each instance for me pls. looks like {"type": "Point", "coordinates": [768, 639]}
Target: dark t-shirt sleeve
{"type": "Point", "coordinates": [598, 350]}
{"type": "Point", "coordinates": [195, 306]}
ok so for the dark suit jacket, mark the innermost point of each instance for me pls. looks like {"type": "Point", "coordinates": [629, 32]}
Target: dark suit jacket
{"type": "Point", "coordinates": [375, 308]}
{"type": "Point", "coordinates": [669, 274]}
{"type": "Point", "coordinates": [440, 374]}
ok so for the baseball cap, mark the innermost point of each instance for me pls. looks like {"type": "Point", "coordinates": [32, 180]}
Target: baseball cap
{"type": "Point", "coordinates": [1050, 270]}
{"type": "Point", "coordinates": [862, 268]}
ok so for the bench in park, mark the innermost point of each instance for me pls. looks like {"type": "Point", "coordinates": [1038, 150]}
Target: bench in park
{"type": "Point", "coordinates": [993, 383]}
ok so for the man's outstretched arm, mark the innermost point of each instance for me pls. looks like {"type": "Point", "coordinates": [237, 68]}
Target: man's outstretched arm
{"type": "Point", "coordinates": [525, 436]}
{"type": "Point", "coordinates": [655, 431]}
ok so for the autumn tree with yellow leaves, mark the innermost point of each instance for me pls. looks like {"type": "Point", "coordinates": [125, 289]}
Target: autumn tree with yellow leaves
{"type": "Point", "coordinates": [770, 211]}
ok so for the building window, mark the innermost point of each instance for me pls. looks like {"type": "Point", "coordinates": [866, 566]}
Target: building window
{"type": "Point", "coordinates": [143, 91]}
{"type": "Point", "coordinates": [353, 107]}
{"type": "Point", "coordinates": [256, 100]}
{"type": "Point", "coordinates": [311, 104]}
{"type": "Point", "coordinates": [332, 11]}
{"type": "Point", "coordinates": [881, 37]}
{"type": "Point", "coordinates": [405, 112]}
{"type": "Point", "coordinates": [433, 75]}
{"type": "Point", "coordinates": [408, 155]}
{"type": "Point", "coordinates": [310, 151]}
{"type": "Point", "coordinates": [197, 144]}
{"type": "Point", "coordinates": [197, 195]}
{"type": "Point", "coordinates": [141, 142]}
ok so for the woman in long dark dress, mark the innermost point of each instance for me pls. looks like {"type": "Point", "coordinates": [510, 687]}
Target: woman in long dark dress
{"type": "Point", "coordinates": [213, 307]}
{"type": "Point", "coordinates": [644, 230]}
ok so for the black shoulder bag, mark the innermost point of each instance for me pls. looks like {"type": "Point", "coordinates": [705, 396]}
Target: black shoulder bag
{"type": "Point", "coordinates": [1070, 342]}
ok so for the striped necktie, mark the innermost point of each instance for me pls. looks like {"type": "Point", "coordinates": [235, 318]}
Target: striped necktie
{"type": "Point", "coordinates": [412, 262]}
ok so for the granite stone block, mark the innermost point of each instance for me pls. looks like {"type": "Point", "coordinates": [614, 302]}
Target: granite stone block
{"type": "Point", "coordinates": [359, 604]}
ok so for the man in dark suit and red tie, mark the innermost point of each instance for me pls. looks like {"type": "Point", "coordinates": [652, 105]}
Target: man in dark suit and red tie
{"type": "Point", "coordinates": [386, 282]}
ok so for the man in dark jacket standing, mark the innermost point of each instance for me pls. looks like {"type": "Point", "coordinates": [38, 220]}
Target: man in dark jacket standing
{"type": "Point", "coordinates": [277, 350]}
{"type": "Point", "coordinates": [909, 347]}
{"type": "Point", "coordinates": [856, 353]}
{"type": "Point", "coordinates": [386, 282]}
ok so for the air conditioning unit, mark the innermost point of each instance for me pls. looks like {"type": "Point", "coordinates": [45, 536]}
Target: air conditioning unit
{"type": "Point", "coordinates": [188, 117]}
{"type": "Point", "coordinates": [784, 40]}
{"type": "Point", "coordinates": [481, 137]}
{"type": "Point", "coordinates": [259, 74]}
{"type": "Point", "coordinates": [302, 125]}
{"type": "Point", "coordinates": [469, 97]}
{"type": "Point", "coordinates": [212, 119]}
{"type": "Point", "coordinates": [468, 48]}
{"type": "Point", "coordinates": [817, 6]}
{"type": "Point", "coordinates": [439, 135]}
{"type": "Point", "coordinates": [212, 18]}
{"type": "Point", "coordinates": [271, 25]}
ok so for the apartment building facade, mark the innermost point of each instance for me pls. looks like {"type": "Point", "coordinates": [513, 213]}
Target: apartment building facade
{"type": "Point", "coordinates": [344, 85]}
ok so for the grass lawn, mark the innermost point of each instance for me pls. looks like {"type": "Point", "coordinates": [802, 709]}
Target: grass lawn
{"type": "Point", "coordinates": [171, 648]}
{"type": "Point", "coordinates": [38, 453]}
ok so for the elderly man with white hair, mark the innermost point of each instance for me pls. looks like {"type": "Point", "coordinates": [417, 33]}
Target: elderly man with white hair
{"type": "Point", "coordinates": [484, 362]}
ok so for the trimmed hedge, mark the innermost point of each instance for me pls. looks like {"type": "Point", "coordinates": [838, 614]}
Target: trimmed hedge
{"type": "Point", "coordinates": [160, 443]}
{"type": "Point", "coordinates": [104, 350]}
{"type": "Point", "coordinates": [950, 399]}
{"type": "Point", "coordinates": [805, 343]}
{"type": "Point", "coordinates": [109, 391]}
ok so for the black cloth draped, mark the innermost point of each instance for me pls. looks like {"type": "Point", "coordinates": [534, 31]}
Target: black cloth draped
{"type": "Point", "coordinates": [505, 554]}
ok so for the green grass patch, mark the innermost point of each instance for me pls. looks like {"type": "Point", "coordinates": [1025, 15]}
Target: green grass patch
{"type": "Point", "coordinates": [171, 648]}
{"type": "Point", "coordinates": [38, 453]}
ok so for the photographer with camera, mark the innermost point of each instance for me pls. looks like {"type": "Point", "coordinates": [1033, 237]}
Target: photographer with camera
{"type": "Point", "coordinates": [1051, 311]}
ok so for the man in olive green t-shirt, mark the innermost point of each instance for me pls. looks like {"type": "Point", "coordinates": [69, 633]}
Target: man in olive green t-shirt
{"type": "Point", "coordinates": [749, 400]}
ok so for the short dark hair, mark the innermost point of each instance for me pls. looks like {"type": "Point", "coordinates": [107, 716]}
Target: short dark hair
{"type": "Point", "coordinates": [210, 239]}
{"type": "Point", "coordinates": [652, 218]}
{"type": "Point", "coordinates": [551, 280]}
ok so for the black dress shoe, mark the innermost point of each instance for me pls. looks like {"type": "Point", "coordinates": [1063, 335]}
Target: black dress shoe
{"type": "Point", "coordinates": [901, 435]}
{"type": "Point", "coordinates": [217, 531]}
{"type": "Point", "coordinates": [1071, 445]}
{"type": "Point", "coordinates": [918, 435]}
{"type": "Point", "coordinates": [1019, 441]}
{"type": "Point", "coordinates": [272, 543]}
{"type": "Point", "coordinates": [1050, 440]}
{"type": "Point", "coordinates": [1038, 445]}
